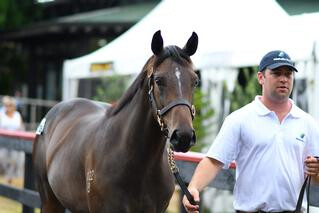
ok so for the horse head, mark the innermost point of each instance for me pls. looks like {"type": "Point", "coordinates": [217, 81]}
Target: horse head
{"type": "Point", "coordinates": [172, 81]}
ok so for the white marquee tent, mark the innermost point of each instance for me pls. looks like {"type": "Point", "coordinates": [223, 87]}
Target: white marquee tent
{"type": "Point", "coordinates": [232, 34]}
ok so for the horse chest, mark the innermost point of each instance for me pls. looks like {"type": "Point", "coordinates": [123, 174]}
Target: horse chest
{"type": "Point", "coordinates": [131, 193]}
{"type": "Point", "coordinates": [132, 202]}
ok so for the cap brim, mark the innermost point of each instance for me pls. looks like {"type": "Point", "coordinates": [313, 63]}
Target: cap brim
{"type": "Point", "coordinates": [276, 65]}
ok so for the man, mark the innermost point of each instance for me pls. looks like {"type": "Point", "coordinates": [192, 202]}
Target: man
{"type": "Point", "coordinates": [272, 141]}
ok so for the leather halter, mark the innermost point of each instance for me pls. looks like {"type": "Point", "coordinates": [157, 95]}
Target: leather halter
{"type": "Point", "coordinates": [161, 112]}
{"type": "Point", "coordinates": [159, 115]}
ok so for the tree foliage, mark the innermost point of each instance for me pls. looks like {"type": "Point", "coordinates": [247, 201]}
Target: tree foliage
{"type": "Point", "coordinates": [111, 88]}
{"type": "Point", "coordinates": [14, 14]}
{"type": "Point", "coordinates": [202, 121]}
{"type": "Point", "coordinates": [18, 13]}
{"type": "Point", "coordinates": [246, 88]}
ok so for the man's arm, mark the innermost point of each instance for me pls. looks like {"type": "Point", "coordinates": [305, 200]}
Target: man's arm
{"type": "Point", "coordinates": [205, 172]}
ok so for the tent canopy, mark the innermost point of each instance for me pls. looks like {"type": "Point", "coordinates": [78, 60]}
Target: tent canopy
{"type": "Point", "coordinates": [231, 34]}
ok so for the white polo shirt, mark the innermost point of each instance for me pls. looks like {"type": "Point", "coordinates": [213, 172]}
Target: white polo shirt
{"type": "Point", "coordinates": [269, 155]}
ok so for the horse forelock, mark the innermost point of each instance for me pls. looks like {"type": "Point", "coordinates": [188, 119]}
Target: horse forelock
{"type": "Point", "coordinates": [173, 52]}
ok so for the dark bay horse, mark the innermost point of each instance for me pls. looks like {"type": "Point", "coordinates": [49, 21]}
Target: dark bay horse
{"type": "Point", "coordinates": [113, 159]}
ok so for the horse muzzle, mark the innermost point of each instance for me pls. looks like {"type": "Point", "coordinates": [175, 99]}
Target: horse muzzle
{"type": "Point", "coordinates": [182, 140]}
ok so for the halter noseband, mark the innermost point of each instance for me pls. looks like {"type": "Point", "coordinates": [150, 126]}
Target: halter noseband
{"type": "Point", "coordinates": [161, 112]}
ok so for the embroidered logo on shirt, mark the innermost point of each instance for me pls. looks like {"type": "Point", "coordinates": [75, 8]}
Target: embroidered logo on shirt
{"type": "Point", "coordinates": [301, 137]}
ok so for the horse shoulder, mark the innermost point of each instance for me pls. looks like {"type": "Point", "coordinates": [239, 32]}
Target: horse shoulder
{"type": "Point", "coordinates": [69, 125]}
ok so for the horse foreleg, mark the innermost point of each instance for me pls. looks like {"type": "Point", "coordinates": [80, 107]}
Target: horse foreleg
{"type": "Point", "coordinates": [52, 205]}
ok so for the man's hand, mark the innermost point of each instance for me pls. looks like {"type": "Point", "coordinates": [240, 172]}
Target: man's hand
{"type": "Point", "coordinates": [189, 207]}
{"type": "Point", "coordinates": [312, 166]}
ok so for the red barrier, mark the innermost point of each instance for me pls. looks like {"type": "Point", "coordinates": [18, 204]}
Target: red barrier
{"type": "Point", "coordinates": [30, 136]}
{"type": "Point", "coordinates": [194, 157]}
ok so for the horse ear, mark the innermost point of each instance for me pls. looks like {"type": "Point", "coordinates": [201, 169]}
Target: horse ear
{"type": "Point", "coordinates": [191, 45]}
{"type": "Point", "coordinates": [157, 43]}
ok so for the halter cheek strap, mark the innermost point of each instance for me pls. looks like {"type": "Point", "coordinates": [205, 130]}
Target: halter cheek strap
{"type": "Point", "coordinates": [176, 103]}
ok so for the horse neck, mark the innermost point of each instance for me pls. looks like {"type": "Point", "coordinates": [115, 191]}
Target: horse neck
{"type": "Point", "coordinates": [142, 133]}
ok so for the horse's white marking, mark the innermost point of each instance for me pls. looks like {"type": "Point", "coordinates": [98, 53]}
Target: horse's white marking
{"type": "Point", "coordinates": [89, 178]}
{"type": "Point", "coordinates": [178, 76]}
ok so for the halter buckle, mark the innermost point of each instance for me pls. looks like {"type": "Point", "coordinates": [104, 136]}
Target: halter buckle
{"type": "Point", "coordinates": [193, 109]}
{"type": "Point", "coordinates": [160, 120]}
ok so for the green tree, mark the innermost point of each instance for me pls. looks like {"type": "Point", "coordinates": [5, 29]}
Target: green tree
{"type": "Point", "coordinates": [202, 120]}
{"type": "Point", "coordinates": [246, 88]}
{"type": "Point", "coordinates": [18, 13]}
{"type": "Point", "coordinates": [111, 88]}
{"type": "Point", "coordinates": [14, 14]}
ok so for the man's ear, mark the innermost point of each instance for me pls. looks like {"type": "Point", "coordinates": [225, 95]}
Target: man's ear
{"type": "Point", "coordinates": [260, 78]}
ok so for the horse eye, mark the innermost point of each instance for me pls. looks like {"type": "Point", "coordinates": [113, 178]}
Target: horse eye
{"type": "Point", "coordinates": [159, 81]}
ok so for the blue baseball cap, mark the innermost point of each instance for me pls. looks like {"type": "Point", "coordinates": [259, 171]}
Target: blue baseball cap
{"type": "Point", "coordinates": [275, 59]}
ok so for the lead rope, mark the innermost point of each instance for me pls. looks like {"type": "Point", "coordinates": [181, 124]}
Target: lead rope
{"type": "Point", "coordinates": [305, 185]}
{"type": "Point", "coordinates": [178, 178]}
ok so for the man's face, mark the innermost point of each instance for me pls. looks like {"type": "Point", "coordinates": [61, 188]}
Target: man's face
{"type": "Point", "coordinates": [277, 83]}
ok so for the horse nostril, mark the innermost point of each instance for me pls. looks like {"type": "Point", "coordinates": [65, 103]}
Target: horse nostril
{"type": "Point", "coordinates": [174, 138]}
{"type": "Point", "coordinates": [183, 140]}
{"type": "Point", "coordinates": [193, 140]}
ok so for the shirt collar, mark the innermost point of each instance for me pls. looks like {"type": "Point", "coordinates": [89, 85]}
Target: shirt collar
{"type": "Point", "coordinates": [295, 111]}
{"type": "Point", "coordinates": [263, 110]}
{"type": "Point", "coordinates": [260, 107]}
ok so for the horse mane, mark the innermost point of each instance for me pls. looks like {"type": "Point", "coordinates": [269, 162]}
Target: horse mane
{"type": "Point", "coordinates": [173, 52]}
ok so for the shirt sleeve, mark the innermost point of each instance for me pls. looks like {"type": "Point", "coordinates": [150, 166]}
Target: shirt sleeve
{"type": "Point", "coordinates": [225, 146]}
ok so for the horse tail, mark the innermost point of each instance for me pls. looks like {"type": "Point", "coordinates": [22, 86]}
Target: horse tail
{"type": "Point", "coordinates": [39, 165]}
{"type": "Point", "coordinates": [49, 201]}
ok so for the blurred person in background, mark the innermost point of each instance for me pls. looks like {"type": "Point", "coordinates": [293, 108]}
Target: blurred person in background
{"type": "Point", "coordinates": [10, 119]}
{"type": "Point", "coordinates": [1, 107]}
